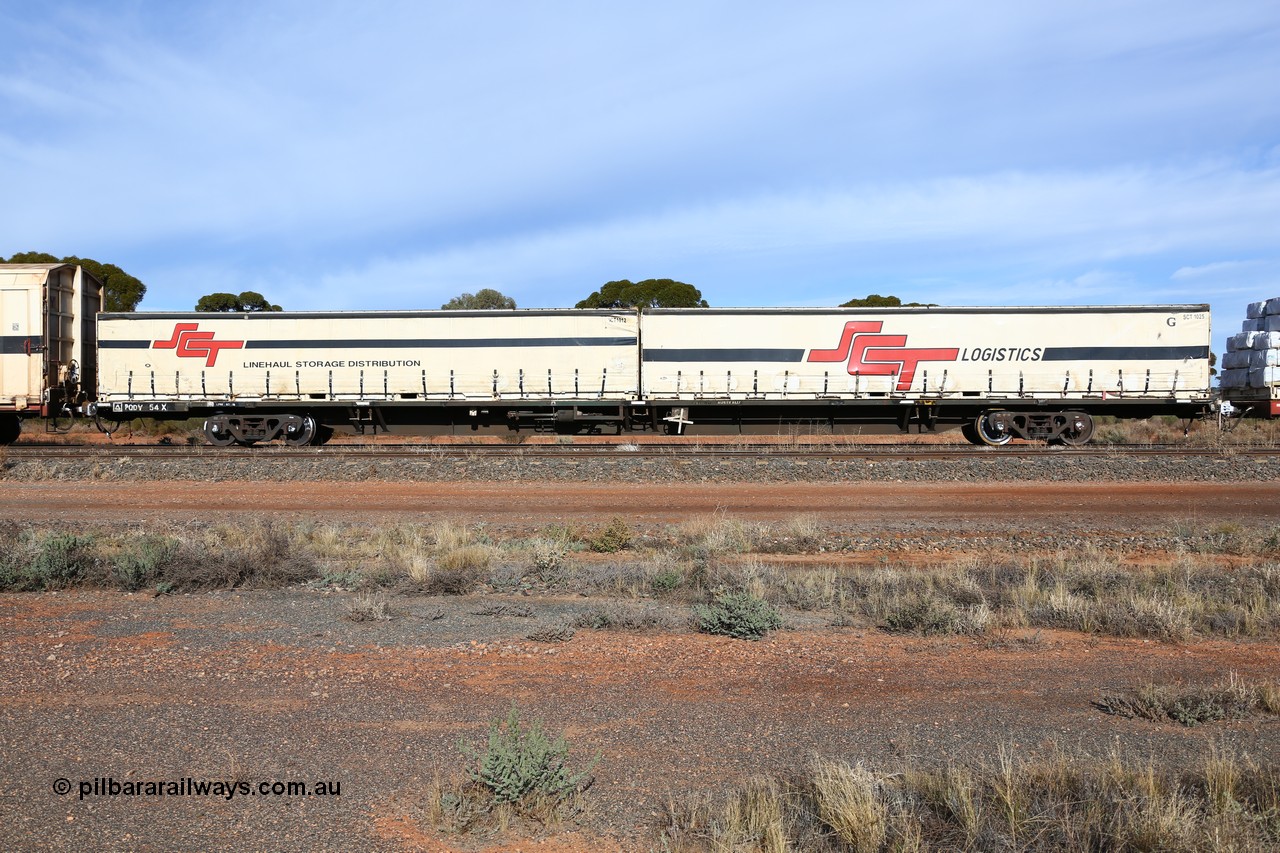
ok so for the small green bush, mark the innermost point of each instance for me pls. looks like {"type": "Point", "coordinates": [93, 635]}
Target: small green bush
{"type": "Point", "coordinates": [60, 559]}
{"type": "Point", "coordinates": [666, 580]}
{"type": "Point", "coordinates": [523, 766]}
{"type": "Point", "coordinates": [143, 560]}
{"type": "Point", "coordinates": [614, 537]}
{"type": "Point", "coordinates": [737, 614]}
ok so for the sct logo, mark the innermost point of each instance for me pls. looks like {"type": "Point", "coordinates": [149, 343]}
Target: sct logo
{"type": "Point", "coordinates": [191, 343]}
{"type": "Point", "coordinates": [872, 354]}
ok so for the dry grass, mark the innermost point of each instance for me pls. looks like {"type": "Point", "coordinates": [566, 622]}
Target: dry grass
{"type": "Point", "coordinates": [1057, 802]}
{"type": "Point", "coordinates": [703, 536]}
{"type": "Point", "coordinates": [1230, 699]}
{"type": "Point", "coordinates": [848, 800]}
{"type": "Point", "coordinates": [1086, 589]}
{"type": "Point", "coordinates": [369, 607]}
{"type": "Point", "coordinates": [1252, 432]}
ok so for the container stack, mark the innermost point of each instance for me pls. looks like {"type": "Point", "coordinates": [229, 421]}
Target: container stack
{"type": "Point", "coordinates": [1252, 360]}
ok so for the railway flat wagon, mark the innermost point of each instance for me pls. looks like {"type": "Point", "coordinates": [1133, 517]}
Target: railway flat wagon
{"type": "Point", "coordinates": [1038, 373]}
{"type": "Point", "coordinates": [297, 375]}
{"type": "Point", "coordinates": [47, 342]}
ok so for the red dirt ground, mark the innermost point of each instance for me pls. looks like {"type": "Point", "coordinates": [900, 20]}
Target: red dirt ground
{"type": "Point", "coordinates": [1119, 505]}
{"type": "Point", "coordinates": [275, 685]}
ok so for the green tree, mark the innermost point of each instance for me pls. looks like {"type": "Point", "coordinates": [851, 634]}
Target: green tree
{"type": "Point", "coordinates": [650, 293]}
{"type": "Point", "coordinates": [120, 291]}
{"type": "Point", "coordinates": [250, 300]}
{"type": "Point", "coordinates": [485, 299]}
{"type": "Point", "coordinates": [875, 300]}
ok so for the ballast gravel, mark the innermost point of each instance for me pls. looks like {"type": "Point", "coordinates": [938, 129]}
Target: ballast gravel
{"type": "Point", "coordinates": [679, 468]}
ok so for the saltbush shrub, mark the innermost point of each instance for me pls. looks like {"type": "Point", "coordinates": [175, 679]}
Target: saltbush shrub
{"type": "Point", "coordinates": [737, 614]}
{"type": "Point", "coordinates": [141, 561]}
{"type": "Point", "coordinates": [60, 559]}
{"type": "Point", "coordinates": [522, 765]}
{"type": "Point", "coordinates": [615, 536]}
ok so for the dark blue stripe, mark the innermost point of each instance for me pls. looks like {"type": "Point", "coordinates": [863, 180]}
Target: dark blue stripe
{"type": "Point", "coordinates": [723, 354]}
{"type": "Point", "coordinates": [434, 343]}
{"type": "Point", "coordinates": [20, 344]}
{"type": "Point", "coordinates": [1123, 353]}
{"type": "Point", "coordinates": [437, 343]}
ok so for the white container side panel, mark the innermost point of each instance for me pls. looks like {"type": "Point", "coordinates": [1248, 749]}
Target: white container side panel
{"type": "Point", "coordinates": [431, 356]}
{"type": "Point", "coordinates": [21, 340]}
{"type": "Point", "coordinates": [1157, 352]}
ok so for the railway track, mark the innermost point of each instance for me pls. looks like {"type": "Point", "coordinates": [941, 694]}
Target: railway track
{"type": "Point", "coordinates": [611, 451]}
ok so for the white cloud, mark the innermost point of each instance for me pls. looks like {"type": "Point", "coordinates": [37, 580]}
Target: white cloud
{"type": "Point", "coordinates": [1216, 269]}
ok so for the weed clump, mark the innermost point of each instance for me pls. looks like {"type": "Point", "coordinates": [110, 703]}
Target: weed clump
{"type": "Point", "coordinates": [52, 560]}
{"type": "Point", "coordinates": [143, 560]}
{"type": "Point", "coordinates": [61, 559]}
{"type": "Point", "coordinates": [1232, 699]}
{"type": "Point", "coordinates": [459, 571]}
{"type": "Point", "coordinates": [369, 607]}
{"type": "Point", "coordinates": [615, 536]}
{"type": "Point", "coordinates": [737, 614]}
{"type": "Point", "coordinates": [929, 614]}
{"type": "Point", "coordinates": [519, 771]}
{"type": "Point", "coordinates": [623, 616]}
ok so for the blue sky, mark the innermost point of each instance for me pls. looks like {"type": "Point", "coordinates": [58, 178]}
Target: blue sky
{"type": "Point", "coordinates": [392, 155]}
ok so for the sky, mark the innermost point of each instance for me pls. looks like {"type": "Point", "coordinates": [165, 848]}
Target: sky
{"type": "Point", "coordinates": [344, 155]}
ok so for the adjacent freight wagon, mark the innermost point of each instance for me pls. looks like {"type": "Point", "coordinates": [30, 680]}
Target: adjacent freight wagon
{"type": "Point", "coordinates": [47, 342]}
{"type": "Point", "coordinates": [998, 373]}
{"type": "Point", "coordinates": [296, 376]}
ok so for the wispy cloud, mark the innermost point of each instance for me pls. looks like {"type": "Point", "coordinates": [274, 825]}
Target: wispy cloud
{"type": "Point", "coordinates": [1218, 268]}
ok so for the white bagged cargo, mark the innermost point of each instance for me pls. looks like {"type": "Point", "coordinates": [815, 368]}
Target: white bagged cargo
{"type": "Point", "coordinates": [1234, 378]}
{"type": "Point", "coordinates": [1263, 377]}
{"type": "Point", "coordinates": [1271, 323]}
{"type": "Point", "coordinates": [1238, 359]}
{"type": "Point", "coordinates": [1254, 325]}
{"type": "Point", "coordinates": [1242, 340]}
{"type": "Point", "coordinates": [1256, 309]}
{"type": "Point", "coordinates": [1261, 358]}
{"type": "Point", "coordinates": [1272, 306]}
{"type": "Point", "coordinates": [1266, 340]}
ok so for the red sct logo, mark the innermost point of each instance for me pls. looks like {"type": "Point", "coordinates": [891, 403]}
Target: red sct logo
{"type": "Point", "coordinates": [191, 343]}
{"type": "Point", "coordinates": [872, 354]}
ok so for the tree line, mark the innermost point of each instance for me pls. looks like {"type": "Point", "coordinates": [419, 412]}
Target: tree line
{"type": "Point", "coordinates": [122, 293]}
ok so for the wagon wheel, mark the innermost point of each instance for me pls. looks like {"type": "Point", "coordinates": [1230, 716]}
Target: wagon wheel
{"type": "Point", "coordinates": [970, 432]}
{"type": "Point", "coordinates": [304, 435]}
{"type": "Point", "coordinates": [218, 438]}
{"type": "Point", "coordinates": [1079, 429]}
{"type": "Point", "coordinates": [10, 429]}
{"type": "Point", "coordinates": [988, 433]}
